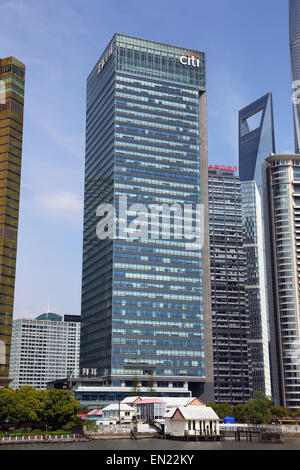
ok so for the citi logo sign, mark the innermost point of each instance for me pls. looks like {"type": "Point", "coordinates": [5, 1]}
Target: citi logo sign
{"type": "Point", "coordinates": [191, 59]}
{"type": "Point", "coordinates": [105, 58]}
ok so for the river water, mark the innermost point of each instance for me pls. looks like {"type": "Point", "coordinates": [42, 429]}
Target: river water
{"type": "Point", "coordinates": [158, 445]}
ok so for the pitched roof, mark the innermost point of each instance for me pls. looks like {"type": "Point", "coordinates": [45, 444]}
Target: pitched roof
{"type": "Point", "coordinates": [151, 400]}
{"type": "Point", "coordinates": [192, 413]}
{"type": "Point", "coordinates": [183, 401]}
{"type": "Point", "coordinates": [170, 401]}
{"type": "Point", "coordinates": [131, 400]}
{"type": "Point", "coordinates": [95, 413]}
{"type": "Point", "coordinates": [115, 406]}
{"type": "Point", "coordinates": [196, 401]}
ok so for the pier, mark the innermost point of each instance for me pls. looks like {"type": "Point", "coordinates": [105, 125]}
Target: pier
{"type": "Point", "coordinates": [248, 433]}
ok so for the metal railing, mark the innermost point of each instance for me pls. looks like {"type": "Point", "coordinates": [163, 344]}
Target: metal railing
{"type": "Point", "coordinates": [158, 426]}
{"type": "Point", "coordinates": [198, 432]}
{"type": "Point", "coordinates": [41, 437]}
{"type": "Point", "coordinates": [253, 429]}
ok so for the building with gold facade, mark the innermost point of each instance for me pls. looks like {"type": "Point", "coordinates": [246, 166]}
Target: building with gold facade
{"type": "Point", "coordinates": [12, 80]}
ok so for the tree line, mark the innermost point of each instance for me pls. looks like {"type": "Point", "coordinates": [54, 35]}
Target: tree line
{"type": "Point", "coordinates": [258, 410]}
{"type": "Point", "coordinates": [49, 409]}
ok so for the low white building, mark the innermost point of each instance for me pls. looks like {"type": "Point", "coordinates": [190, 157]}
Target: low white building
{"type": "Point", "coordinates": [118, 411]}
{"type": "Point", "coordinates": [170, 402]}
{"type": "Point", "coordinates": [191, 421]}
{"type": "Point", "coordinates": [174, 402]}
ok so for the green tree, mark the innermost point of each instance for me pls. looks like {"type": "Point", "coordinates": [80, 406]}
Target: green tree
{"type": "Point", "coordinates": [280, 412]}
{"type": "Point", "coordinates": [239, 413]}
{"type": "Point", "coordinates": [7, 404]}
{"type": "Point", "coordinates": [28, 405]}
{"type": "Point", "coordinates": [221, 409]}
{"type": "Point", "coordinates": [258, 409]}
{"type": "Point", "coordinates": [297, 413]}
{"type": "Point", "coordinates": [21, 405]}
{"type": "Point", "coordinates": [60, 409]}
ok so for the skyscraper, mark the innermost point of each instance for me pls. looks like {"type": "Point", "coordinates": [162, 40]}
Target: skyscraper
{"type": "Point", "coordinates": [232, 366]}
{"type": "Point", "coordinates": [255, 288]}
{"type": "Point", "coordinates": [294, 20]}
{"type": "Point", "coordinates": [282, 224]}
{"type": "Point", "coordinates": [12, 76]}
{"type": "Point", "coordinates": [256, 138]}
{"type": "Point", "coordinates": [256, 143]}
{"type": "Point", "coordinates": [146, 302]}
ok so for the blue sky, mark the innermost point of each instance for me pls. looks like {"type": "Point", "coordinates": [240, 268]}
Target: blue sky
{"type": "Point", "coordinates": [247, 48]}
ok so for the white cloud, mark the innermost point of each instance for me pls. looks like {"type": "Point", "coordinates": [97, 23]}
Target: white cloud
{"type": "Point", "coordinates": [60, 204]}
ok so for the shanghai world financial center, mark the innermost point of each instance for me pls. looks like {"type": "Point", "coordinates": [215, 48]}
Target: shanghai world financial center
{"type": "Point", "coordinates": [146, 301]}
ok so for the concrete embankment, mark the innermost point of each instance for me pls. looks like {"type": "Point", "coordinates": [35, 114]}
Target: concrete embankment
{"type": "Point", "coordinates": [289, 430]}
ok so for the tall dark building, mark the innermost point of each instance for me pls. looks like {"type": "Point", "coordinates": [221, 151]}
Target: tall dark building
{"type": "Point", "coordinates": [146, 301]}
{"type": "Point", "coordinates": [232, 368]}
{"type": "Point", "coordinates": [12, 83]}
{"type": "Point", "coordinates": [294, 21]}
{"type": "Point", "coordinates": [256, 138]}
{"type": "Point", "coordinates": [256, 143]}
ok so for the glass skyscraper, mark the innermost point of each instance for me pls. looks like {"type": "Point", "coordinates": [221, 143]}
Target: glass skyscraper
{"type": "Point", "coordinates": [12, 82]}
{"type": "Point", "coordinates": [146, 300]}
{"type": "Point", "coordinates": [232, 365]}
{"type": "Point", "coordinates": [282, 216]}
{"type": "Point", "coordinates": [294, 20]}
{"type": "Point", "coordinates": [255, 288]}
{"type": "Point", "coordinates": [256, 143]}
{"type": "Point", "coordinates": [256, 138]}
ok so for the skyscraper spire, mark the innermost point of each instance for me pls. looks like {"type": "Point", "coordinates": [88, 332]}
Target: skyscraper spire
{"type": "Point", "coordinates": [256, 138]}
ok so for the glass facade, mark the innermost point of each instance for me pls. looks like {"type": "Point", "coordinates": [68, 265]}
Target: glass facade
{"type": "Point", "coordinates": [142, 298]}
{"type": "Point", "coordinates": [294, 24]}
{"type": "Point", "coordinates": [256, 143]}
{"type": "Point", "coordinates": [100, 396]}
{"type": "Point", "coordinates": [255, 288]}
{"type": "Point", "coordinates": [232, 369]}
{"type": "Point", "coordinates": [12, 76]}
{"type": "Point", "coordinates": [282, 175]}
{"type": "Point", "coordinates": [256, 139]}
